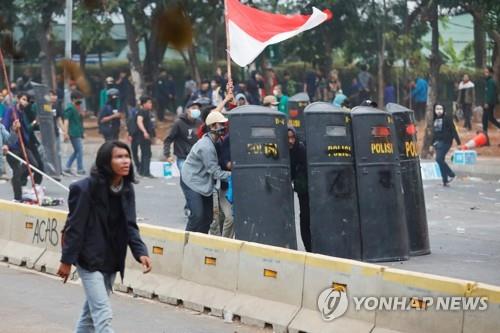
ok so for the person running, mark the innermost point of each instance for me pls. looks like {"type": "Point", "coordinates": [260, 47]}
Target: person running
{"type": "Point", "coordinates": [100, 224]}
{"type": "Point", "coordinates": [444, 132]}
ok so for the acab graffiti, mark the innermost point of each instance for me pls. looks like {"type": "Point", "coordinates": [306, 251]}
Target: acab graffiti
{"type": "Point", "coordinates": [44, 230]}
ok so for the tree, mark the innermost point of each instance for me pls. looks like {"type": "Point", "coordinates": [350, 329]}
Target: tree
{"type": "Point", "coordinates": [37, 16]}
{"type": "Point", "coordinates": [94, 25]}
{"type": "Point", "coordinates": [487, 15]}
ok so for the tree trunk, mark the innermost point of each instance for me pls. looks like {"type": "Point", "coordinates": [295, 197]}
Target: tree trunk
{"type": "Point", "coordinates": [495, 60]}
{"type": "Point", "coordinates": [46, 58]}
{"type": "Point", "coordinates": [155, 50]}
{"type": "Point", "coordinates": [479, 44]}
{"type": "Point", "coordinates": [133, 56]}
{"type": "Point", "coordinates": [435, 65]}
{"type": "Point", "coordinates": [193, 62]}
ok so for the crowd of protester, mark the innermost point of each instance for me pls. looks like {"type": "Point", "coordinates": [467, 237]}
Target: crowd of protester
{"type": "Point", "coordinates": [198, 141]}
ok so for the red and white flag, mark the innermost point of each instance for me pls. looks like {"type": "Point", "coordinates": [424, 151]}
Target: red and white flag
{"type": "Point", "coordinates": [251, 30]}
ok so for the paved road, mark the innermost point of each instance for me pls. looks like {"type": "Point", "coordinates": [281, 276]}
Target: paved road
{"type": "Point", "coordinates": [32, 303]}
{"type": "Point", "coordinates": [464, 222]}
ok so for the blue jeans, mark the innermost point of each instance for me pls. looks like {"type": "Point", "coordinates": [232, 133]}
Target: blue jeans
{"type": "Point", "coordinates": [77, 144]}
{"type": "Point", "coordinates": [442, 149]}
{"type": "Point", "coordinates": [96, 314]}
{"type": "Point", "coordinates": [201, 210]}
{"type": "Point", "coordinates": [180, 163]}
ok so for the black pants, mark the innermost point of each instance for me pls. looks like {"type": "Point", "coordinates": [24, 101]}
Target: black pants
{"type": "Point", "coordinates": [171, 105]}
{"type": "Point", "coordinates": [305, 224]}
{"type": "Point", "coordinates": [420, 110]}
{"type": "Point", "coordinates": [162, 105]}
{"type": "Point", "coordinates": [442, 149]}
{"type": "Point", "coordinates": [145, 146]}
{"type": "Point", "coordinates": [201, 210]}
{"type": "Point", "coordinates": [111, 136]}
{"type": "Point", "coordinates": [467, 109]}
{"type": "Point", "coordinates": [134, 147]}
{"type": "Point", "coordinates": [20, 172]}
{"type": "Point", "coordinates": [489, 115]}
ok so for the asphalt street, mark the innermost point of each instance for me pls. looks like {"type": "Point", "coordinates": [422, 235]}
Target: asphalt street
{"type": "Point", "coordinates": [32, 303]}
{"type": "Point", "coordinates": [464, 220]}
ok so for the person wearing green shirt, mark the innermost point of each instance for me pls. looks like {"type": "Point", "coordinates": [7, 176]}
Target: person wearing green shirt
{"type": "Point", "coordinates": [73, 131]}
{"type": "Point", "coordinates": [490, 101]}
{"type": "Point", "coordinates": [282, 99]}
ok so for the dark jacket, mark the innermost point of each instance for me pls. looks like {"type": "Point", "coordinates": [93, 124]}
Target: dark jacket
{"type": "Point", "coordinates": [108, 128]}
{"type": "Point", "coordinates": [298, 166]}
{"type": "Point", "coordinates": [223, 149]}
{"type": "Point", "coordinates": [444, 130]}
{"type": "Point", "coordinates": [87, 240]}
{"type": "Point", "coordinates": [491, 91]}
{"type": "Point", "coordinates": [7, 121]}
{"type": "Point", "coordinates": [183, 135]}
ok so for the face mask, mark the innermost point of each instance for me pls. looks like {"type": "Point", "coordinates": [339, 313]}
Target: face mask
{"type": "Point", "coordinates": [219, 131]}
{"type": "Point", "coordinates": [195, 113]}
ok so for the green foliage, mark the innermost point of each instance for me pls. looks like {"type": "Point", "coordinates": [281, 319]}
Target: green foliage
{"type": "Point", "coordinates": [94, 25]}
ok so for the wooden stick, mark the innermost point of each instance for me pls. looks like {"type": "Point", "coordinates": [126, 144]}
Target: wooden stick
{"type": "Point", "coordinates": [61, 185]}
{"type": "Point", "coordinates": [228, 49]}
{"type": "Point", "coordinates": [19, 132]}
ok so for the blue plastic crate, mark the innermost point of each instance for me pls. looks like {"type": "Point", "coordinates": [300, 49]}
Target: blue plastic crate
{"type": "Point", "coordinates": [464, 157]}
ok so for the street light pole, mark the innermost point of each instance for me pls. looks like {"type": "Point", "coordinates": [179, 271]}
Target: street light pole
{"type": "Point", "coordinates": [67, 49]}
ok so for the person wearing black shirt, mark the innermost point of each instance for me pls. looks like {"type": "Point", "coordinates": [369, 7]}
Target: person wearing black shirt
{"type": "Point", "coordinates": [298, 170]}
{"type": "Point", "coordinates": [101, 224]}
{"type": "Point", "coordinates": [109, 117]}
{"type": "Point", "coordinates": [444, 133]}
{"type": "Point", "coordinates": [145, 134]}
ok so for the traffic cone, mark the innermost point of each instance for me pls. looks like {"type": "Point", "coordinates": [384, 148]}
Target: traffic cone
{"type": "Point", "coordinates": [479, 140]}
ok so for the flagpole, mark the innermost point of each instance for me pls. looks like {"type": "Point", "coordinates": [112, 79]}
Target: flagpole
{"type": "Point", "coordinates": [228, 48]}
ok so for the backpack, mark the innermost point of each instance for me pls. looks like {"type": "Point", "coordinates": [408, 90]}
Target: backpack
{"type": "Point", "coordinates": [132, 122]}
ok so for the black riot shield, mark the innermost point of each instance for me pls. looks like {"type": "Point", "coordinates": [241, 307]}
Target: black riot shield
{"type": "Point", "coordinates": [296, 106]}
{"type": "Point", "coordinates": [333, 203]}
{"type": "Point", "coordinates": [262, 191]}
{"type": "Point", "coordinates": [384, 231]}
{"type": "Point", "coordinates": [46, 115]}
{"type": "Point", "coordinates": [416, 218]}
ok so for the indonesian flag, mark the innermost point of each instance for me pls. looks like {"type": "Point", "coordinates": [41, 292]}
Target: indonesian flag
{"type": "Point", "coordinates": [251, 30]}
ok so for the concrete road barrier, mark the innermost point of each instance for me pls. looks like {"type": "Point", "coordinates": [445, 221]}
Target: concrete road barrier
{"type": "Point", "coordinates": [5, 222]}
{"type": "Point", "coordinates": [270, 281]}
{"type": "Point", "coordinates": [486, 321]}
{"type": "Point", "coordinates": [351, 277]}
{"type": "Point", "coordinates": [420, 315]}
{"type": "Point", "coordinates": [166, 249]}
{"type": "Point", "coordinates": [209, 272]}
{"type": "Point", "coordinates": [29, 233]}
{"type": "Point", "coordinates": [50, 259]}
